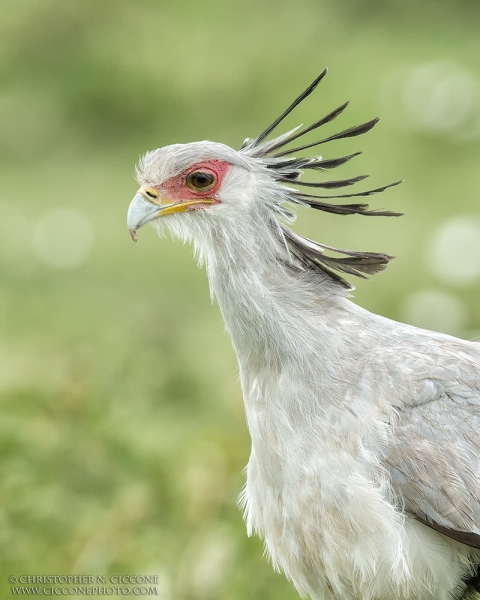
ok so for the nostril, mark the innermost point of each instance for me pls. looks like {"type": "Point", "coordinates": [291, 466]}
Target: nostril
{"type": "Point", "coordinates": [151, 194]}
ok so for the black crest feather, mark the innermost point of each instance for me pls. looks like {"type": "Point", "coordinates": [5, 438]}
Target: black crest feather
{"type": "Point", "coordinates": [294, 104]}
{"type": "Point", "coordinates": [276, 156]}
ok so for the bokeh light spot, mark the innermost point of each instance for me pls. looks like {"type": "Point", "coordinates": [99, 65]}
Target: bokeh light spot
{"type": "Point", "coordinates": [454, 251]}
{"type": "Point", "coordinates": [63, 239]}
{"type": "Point", "coordinates": [435, 310]}
{"type": "Point", "coordinates": [440, 96]}
{"type": "Point", "coordinates": [211, 563]}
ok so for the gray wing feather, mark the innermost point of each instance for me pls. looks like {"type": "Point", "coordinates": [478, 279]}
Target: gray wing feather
{"type": "Point", "coordinates": [434, 460]}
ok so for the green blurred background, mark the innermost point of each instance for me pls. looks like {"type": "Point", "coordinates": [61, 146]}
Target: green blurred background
{"type": "Point", "coordinates": [123, 436]}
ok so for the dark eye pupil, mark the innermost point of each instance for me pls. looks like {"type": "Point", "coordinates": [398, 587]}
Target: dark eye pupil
{"type": "Point", "coordinates": [201, 180]}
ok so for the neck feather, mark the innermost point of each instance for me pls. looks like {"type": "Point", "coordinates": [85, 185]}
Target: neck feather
{"type": "Point", "coordinates": [269, 303]}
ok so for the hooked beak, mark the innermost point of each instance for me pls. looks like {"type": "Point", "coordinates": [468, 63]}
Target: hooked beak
{"type": "Point", "coordinates": [147, 205]}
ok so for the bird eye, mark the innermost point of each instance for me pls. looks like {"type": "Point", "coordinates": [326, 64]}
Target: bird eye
{"type": "Point", "coordinates": [200, 181]}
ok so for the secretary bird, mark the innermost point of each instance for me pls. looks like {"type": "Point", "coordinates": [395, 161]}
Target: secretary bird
{"type": "Point", "coordinates": [364, 474]}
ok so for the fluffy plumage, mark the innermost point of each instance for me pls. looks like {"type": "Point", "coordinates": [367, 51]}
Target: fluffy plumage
{"type": "Point", "coordinates": [364, 475]}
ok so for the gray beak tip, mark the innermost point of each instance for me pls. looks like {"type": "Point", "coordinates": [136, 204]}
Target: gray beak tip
{"type": "Point", "coordinates": [140, 212]}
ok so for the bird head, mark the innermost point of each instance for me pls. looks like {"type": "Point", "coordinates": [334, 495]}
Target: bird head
{"type": "Point", "coordinates": [203, 187]}
{"type": "Point", "coordinates": [199, 185]}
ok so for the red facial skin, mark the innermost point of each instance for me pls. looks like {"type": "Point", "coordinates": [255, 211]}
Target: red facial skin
{"type": "Point", "coordinates": [177, 190]}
